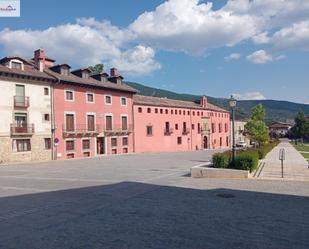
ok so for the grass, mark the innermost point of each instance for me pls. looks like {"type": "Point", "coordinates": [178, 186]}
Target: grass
{"type": "Point", "coordinates": [305, 155]}
{"type": "Point", "coordinates": [302, 147]}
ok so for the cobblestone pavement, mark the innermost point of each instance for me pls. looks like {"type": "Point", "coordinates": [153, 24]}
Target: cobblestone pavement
{"type": "Point", "coordinates": [146, 201]}
{"type": "Point", "coordinates": [295, 167]}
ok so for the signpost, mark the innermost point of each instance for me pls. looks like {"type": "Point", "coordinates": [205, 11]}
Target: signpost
{"type": "Point", "coordinates": [282, 158]}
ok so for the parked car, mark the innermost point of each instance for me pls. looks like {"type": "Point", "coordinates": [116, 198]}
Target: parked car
{"type": "Point", "coordinates": [241, 144]}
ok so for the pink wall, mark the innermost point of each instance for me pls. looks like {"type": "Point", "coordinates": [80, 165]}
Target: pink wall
{"type": "Point", "coordinates": [80, 108]}
{"type": "Point", "coordinates": [192, 141]}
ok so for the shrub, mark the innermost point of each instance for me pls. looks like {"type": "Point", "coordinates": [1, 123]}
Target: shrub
{"type": "Point", "coordinates": [247, 160]}
{"type": "Point", "coordinates": [221, 160]}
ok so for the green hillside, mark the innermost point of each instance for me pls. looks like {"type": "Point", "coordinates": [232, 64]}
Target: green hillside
{"type": "Point", "coordinates": [275, 110]}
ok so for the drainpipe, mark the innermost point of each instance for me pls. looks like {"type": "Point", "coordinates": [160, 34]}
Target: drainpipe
{"type": "Point", "coordinates": [191, 126]}
{"type": "Point", "coordinates": [133, 126]}
{"type": "Point", "coordinates": [54, 148]}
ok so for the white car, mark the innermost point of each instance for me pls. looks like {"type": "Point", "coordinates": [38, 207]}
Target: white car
{"type": "Point", "coordinates": [241, 144]}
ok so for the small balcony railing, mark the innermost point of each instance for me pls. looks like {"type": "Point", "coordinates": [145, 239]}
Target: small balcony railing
{"type": "Point", "coordinates": [168, 131]}
{"type": "Point", "coordinates": [80, 129]}
{"type": "Point", "coordinates": [24, 129]}
{"type": "Point", "coordinates": [118, 129]}
{"type": "Point", "coordinates": [21, 102]}
{"type": "Point", "coordinates": [185, 131]}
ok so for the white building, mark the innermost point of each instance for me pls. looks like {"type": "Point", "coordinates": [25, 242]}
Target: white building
{"type": "Point", "coordinates": [25, 111]}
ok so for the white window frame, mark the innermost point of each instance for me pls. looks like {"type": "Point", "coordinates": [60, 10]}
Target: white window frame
{"type": "Point", "coordinates": [65, 120]}
{"type": "Point", "coordinates": [124, 146]}
{"type": "Point", "coordinates": [95, 119]}
{"type": "Point", "coordinates": [65, 95]}
{"type": "Point", "coordinates": [44, 120]}
{"type": "Point", "coordinates": [116, 142]}
{"type": "Point", "coordinates": [123, 97]}
{"type": "Point", "coordinates": [93, 94]}
{"type": "Point", "coordinates": [65, 145]}
{"type": "Point", "coordinates": [90, 143]}
{"type": "Point", "coordinates": [108, 114]}
{"type": "Point", "coordinates": [124, 115]}
{"type": "Point", "coordinates": [17, 61]}
{"type": "Point", "coordinates": [108, 95]}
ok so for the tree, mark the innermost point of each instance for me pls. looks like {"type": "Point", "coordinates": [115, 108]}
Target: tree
{"type": "Point", "coordinates": [301, 128]}
{"type": "Point", "coordinates": [98, 68]}
{"type": "Point", "coordinates": [256, 127]}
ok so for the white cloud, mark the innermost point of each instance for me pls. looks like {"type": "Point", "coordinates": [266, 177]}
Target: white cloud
{"type": "Point", "coordinates": [86, 43]}
{"type": "Point", "coordinates": [259, 57]}
{"type": "Point", "coordinates": [261, 38]}
{"type": "Point", "coordinates": [138, 60]}
{"type": "Point", "coordinates": [233, 56]}
{"type": "Point", "coordinates": [249, 96]}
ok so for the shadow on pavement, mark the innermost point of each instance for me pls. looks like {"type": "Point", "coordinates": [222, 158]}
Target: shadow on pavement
{"type": "Point", "coordinates": [136, 215]}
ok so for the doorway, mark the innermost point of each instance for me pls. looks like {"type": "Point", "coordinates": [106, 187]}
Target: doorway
{"type": "Point", "coordinates": [100, 145]}
{"type": "Point", "coordinates": [205, 142]}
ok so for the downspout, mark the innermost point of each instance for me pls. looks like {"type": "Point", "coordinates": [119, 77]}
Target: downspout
{"type": "Point", "coordinates": [133, 125]}
{"type": "Point", "coordinates": [191, 127]}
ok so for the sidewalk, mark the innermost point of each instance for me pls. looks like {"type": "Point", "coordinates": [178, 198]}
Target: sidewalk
{"type": "Point", "coordinates": [295, 167]}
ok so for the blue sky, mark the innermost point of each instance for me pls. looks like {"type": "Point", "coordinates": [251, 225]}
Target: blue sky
{"type": "Point", "coordinates": [253, 49]}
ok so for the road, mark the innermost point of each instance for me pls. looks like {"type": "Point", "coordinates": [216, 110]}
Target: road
{"type": "Point", "coordinates": [146, 201]}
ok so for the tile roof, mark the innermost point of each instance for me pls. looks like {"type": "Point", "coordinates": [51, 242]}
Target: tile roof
{"type": "Point", "coordinates": [156, 101]}
{"type": "Point", "coordinates": [90, 82]}
{"type": "Point", "coordinates": [28, 71]}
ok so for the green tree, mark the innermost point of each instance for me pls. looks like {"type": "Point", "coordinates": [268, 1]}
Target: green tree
{"type": "Point", "coordinates": [256, 127]}
{"type": "Point", "coordinates": [98, 68]}
{"type": "Point", "coordinates": [301, 127]}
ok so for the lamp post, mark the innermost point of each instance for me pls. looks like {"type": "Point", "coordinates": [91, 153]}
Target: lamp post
{"type": "Point", "coordinates": [232, 104]}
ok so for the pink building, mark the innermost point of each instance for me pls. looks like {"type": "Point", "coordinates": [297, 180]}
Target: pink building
{"type": "Point", "coordinates": [92, 112]}
{"type": "Point", "coordinates": [162, 124]}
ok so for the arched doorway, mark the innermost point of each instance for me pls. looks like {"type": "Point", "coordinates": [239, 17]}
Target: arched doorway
{"type": "Point", "coordinates": [205, 142]}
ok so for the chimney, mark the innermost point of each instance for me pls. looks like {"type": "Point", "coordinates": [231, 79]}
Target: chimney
{"type": "Point", "coordinates": [39, 58]}
{"type": "Point", "coordinates": [114, 72]}
{"type": "Point", "coordinates": [203, 101]}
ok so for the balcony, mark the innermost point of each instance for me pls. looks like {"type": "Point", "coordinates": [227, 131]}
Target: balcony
{"type": "Point", "coordinates": [21, 102]}
{"type": "Point", "coordinates": [22, 130]}
{"type": "Point", "coordinates": [185, 131]}
{"type": "Point", "coordinates": [81, 130]}
{"type": "Point", "coordinates": [168, 132]}
{"type": "Point", "coordinates": [118, 130]}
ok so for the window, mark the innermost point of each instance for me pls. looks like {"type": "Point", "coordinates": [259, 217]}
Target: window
{"type": "Point", "coordinates": [220, 128]}
{"type": "Point", "coordinates": [148, 110]}
{"type": "Point", "coordinates": [198, 113]}
{"type": "Point", "coordinates": [192, 126]}
{"type": "Point", "coordinates": [227, 141]}
{"type": "Point", "coordinates": [172, 111]}
{"type": "Point", "coordinates": [198, 127]}
{"type": "Point", "coordinates": [193, 113]}
{"type": "Point", "coordinates": [69, 121]}
{"type": "Point", "coordinates": [140, 109]}
{"type": "Point", "coordinates": [124, 123]}
{"type": "Point", "coordinates": [125, 141]}
{"type": "Point", "coordinates": [149, 130]}
{"type": "Point", "coordinates": [213, 128]}
{"type": "Point", "coordinates": [179, 140]}
{"type": "Point", "coordinates": [176, 112]}
{"type": "Point", "coordinates": [184, 112]}
{"type": "Point", "coordinates": [108, 99]}
{"type": "Point", "coordinates": [90, 97]}
{"type": "Point", "coordinates": [69, 145]}
{"type": "Point", "coordinates": [69, 95]}
{"type": "Point", "coordinates": [108, 122]}
{"type": "Point", "coordinates": [90, 122]}
{"type": "Point", "coordinates": [176, 126]}
{"type": "Point", "coordinates": [46, 117]}
{"type": "Point", "coordinates": [46, 91]}
{"type": "Point", "coordinates": [226, 127]}
{"type": "Point", "coordinates": [85, 75]}
{"type": "Point", "coordinates": [220, 141]}
{"type": "Point", "coordinates": [188, 112]}
{"type": "Point", "coordinates": [64, 71]}
{"type": "Point", "coordinates": [202, 114]}
{"type": "Point", "coordinates": [161, 111]}
{"type": "Point", "coordinates": [114, 141]}
{"type": "Point", "coordinates": [47, 142]}
{"type": "Point", "coordinates": [16, 65]}
{"type": "Point", "coordinates": [123, 101]}
{"type": "Point", "coordinates": [20, 145]}
{"type": "Point", "coordinates": [156, 110]}
{"type": "Point", "coordinates": [86, 144]}
{"type": "Point", "coordinates": [166, 111]}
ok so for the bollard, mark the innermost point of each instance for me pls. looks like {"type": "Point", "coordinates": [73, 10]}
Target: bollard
{"type": "Point", "coordinates": [282, 158]}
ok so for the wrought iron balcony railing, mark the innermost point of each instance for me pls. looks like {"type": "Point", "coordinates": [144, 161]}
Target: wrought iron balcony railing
{"type": "Point", "coordinates": [21, 102]}
{"type": "Point", "coordinates": [24, 129]}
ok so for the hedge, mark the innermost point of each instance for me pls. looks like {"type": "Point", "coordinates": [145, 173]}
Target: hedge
{"type": "Point", "coordinates": [247, 161]}
{"type": "Point", "coordinates": [221, 160]}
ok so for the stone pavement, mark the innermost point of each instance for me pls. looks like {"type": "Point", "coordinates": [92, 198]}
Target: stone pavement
{"type": "Point", "coordinates": [147, 201]}
{"type": "Point", "coordinates": [295, 167]}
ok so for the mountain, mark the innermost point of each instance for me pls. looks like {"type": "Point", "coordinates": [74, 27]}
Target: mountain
{"type": "Point", "coordinates": [276, 110]}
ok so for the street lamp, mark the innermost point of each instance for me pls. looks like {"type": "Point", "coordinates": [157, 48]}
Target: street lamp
{"type": "Point", "coordinates": [232, 104]}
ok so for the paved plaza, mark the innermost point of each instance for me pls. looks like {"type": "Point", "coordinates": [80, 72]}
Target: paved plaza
{"type": "Point", "coordinates": [147, 201]}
